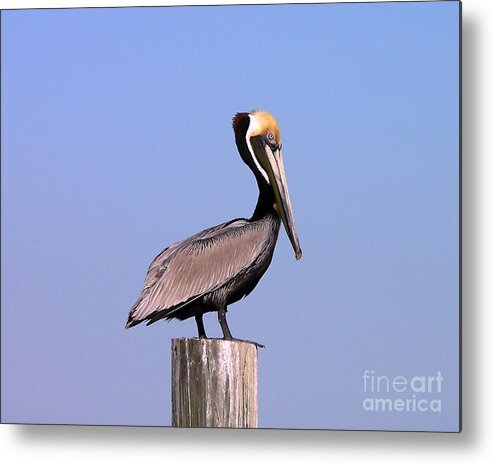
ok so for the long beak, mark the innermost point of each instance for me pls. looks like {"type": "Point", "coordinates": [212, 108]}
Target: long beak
{"type": "Point", "coordinates": [272, 162]}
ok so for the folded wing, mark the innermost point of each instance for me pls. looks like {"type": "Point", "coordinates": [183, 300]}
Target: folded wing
{"type": "Point", "coordinates": [197, 266]}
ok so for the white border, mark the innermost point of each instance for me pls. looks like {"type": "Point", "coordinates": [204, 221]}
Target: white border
{"type": "Point", "coordinates": [60, 444]}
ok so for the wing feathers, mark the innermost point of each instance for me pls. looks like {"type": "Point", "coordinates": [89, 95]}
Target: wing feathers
{"type": "Point", "coordinates": [197, 266]}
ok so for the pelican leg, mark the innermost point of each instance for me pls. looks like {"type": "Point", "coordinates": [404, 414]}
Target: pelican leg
{"type": "Point", "coordinates": [200, 325]}
{"type": "Point", "coordinates": [224, 324]}
{"type": "Point", "coordinates": [227, 333]}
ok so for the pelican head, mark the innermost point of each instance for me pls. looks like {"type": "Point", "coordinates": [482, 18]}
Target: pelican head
{"type": "Point", "coordinates": [259, 142]}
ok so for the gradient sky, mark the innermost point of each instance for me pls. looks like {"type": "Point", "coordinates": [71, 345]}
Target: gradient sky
{"type": "Point", "coordinates": [117, 141]}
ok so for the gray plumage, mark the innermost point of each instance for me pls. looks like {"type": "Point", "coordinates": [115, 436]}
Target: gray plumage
{"type": "Point", "coordinates": [203, 267]}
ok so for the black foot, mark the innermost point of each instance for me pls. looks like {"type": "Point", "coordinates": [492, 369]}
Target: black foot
{"type": "Point", "coordinates": [233, 339]}
{"type": "Point", "coordinates": [227, 333]}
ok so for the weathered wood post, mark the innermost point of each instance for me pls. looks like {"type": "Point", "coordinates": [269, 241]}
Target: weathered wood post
{"type": "Point", "coordinates": [214, 383]}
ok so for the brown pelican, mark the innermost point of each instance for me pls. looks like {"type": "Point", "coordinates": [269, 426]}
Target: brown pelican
{"type": "Point", "coordinates": [218, 266]}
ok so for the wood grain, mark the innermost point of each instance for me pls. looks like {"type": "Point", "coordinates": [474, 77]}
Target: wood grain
{"type": "Point", "coordinates": [214, 383]}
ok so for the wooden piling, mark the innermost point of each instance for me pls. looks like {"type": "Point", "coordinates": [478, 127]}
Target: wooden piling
{"type": "Point", "coordinates": [214, 383]}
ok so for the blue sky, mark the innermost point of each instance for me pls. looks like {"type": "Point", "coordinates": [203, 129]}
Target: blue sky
{"type": "Point", "coordinates": [117, 141]}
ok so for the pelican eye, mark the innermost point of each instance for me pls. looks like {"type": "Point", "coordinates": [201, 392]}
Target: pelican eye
{"type": "Point", "coordinates": [271, 141]}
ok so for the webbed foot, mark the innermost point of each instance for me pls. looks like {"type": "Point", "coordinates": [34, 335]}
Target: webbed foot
{"type": "Point", "coordinates": [233, 339]}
